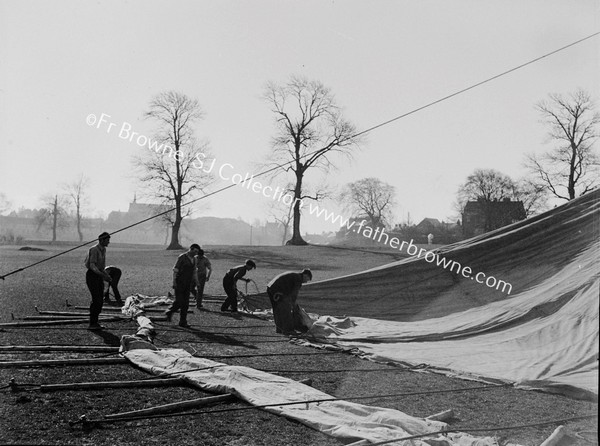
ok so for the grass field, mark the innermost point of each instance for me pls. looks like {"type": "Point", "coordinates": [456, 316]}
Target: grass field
{"type": "Point", "coordinates": [33, 417]}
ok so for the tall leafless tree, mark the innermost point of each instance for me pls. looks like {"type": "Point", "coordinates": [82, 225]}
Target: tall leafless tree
{"type": "Point", "coordinates": [309, 130]}
{"type": "Point", "coordinates": [283, 214]}
{"type": "Point", "coordinates": [572, 167]}
{"type": "Point", "coordinates": [486, 186]}
{"type": "Point", "coordinates": [176, 167]}
{"type": "Point", "coordinates": [53, 214]}
{"type": "Point", "coordinates": [76, 193]}
{"type": "Point", "coordinates": [370, 199]}
{"type": "Point", "coordinates": [533, 195]}
{"type": "Point", "coordinates": [5, 204]}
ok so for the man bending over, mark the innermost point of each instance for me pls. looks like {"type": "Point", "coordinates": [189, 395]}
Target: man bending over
{"type": "Point", "coordinates": [283, 292]}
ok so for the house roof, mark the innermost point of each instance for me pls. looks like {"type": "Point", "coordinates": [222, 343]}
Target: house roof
{"type": "Point", "coordinates": [433, 221]}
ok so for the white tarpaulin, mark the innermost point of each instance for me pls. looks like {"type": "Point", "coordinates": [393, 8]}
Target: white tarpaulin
{"type": "Point", "coordinates": [340, 419]}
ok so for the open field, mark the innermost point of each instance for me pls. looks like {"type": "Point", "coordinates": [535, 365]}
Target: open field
{"type": "Point", "coordinates": [33, 417]}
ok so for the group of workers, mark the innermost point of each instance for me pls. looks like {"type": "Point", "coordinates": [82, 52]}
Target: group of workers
{"type": "Point", "coordinates": [191, 272]}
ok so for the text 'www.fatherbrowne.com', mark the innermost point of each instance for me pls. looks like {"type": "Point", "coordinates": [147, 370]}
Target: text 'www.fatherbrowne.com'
{"type": "Point", "coordinates": [430, 256]}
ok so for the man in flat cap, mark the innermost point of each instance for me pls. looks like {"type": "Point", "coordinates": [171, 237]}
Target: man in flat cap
{"type": "Point", "coordinates": [230, 284]}
{"type": "Point", "coordinates": [95, 262]}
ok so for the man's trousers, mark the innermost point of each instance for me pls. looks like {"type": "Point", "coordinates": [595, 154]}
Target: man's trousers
{"type": "Point", "coordinates": [95, 284]}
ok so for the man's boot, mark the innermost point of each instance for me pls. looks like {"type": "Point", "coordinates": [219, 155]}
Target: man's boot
{"type": "Point", "coordinates": [183, 323]}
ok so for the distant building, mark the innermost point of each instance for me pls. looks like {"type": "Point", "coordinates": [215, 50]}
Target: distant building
{"type": "Point", "coordinates": [483, 216]}
{"type": "Point", "coordinates": [429, 225]}
{"type": "Point", "coordinates": [129, 227]}
{"type": "Point", "coordinates": [151, 231]}
{"type": "Point", "coordinates": [442, 232]}
{"type": "Point", "coordinates": [136, 212]}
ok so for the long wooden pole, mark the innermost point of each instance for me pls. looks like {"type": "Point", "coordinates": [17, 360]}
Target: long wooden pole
{"type": "Point", "coordinates": [58, 348]}
{"type": "Point", "coordinates": [113, 384]}
{"type": "Point", "coordinates": [441, 416]}
{"type": "Point", "coordinates": [67, 317]}
{"type": "Point", "coordinates": [146, 310]}
{"type": "Point", "coordinates": [55, 362]}
{"type": "Point", "coordinates": [182, 405]}
{"type": "Point", "coordinates": [67, 313]}
{"type": "Point", "coordinates": [55, 322]}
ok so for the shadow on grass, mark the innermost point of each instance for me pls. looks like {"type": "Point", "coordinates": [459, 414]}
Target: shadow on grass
{"type": "Point", "coordinates": [222, 339]}
{"type": "Point", "coordinates": [207, 337]}
{"type": "Point", "coordinates": [108, 337]}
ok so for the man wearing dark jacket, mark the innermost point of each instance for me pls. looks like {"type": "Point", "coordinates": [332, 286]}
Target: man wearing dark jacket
{"type": "Point", "coordinates": [283, 293]}
{"type": "Point", "coordinates": [230, 284]}
{"type": "Point", "coordinates": [185, 272]}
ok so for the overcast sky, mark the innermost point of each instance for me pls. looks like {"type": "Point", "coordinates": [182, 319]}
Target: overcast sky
{"type": "Point", "coordinates": [61, 61]}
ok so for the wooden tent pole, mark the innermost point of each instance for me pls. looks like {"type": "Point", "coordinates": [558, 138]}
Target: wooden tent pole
{"type": "Point", "coordinates": [113, 384]}
{"type": "Point", "coordinates": [118, 309]}
{"type": "Point", "coordinates": [183, 405]}
{"type": "Point", "coordinates": [55, 322]}
{"type": "Point", "coordinates": [56, 362]}
{"type": "Point", "coordinates": [67, 317]}
{"type": "Point", "coordinates": [58, 348]}
{"type": "Point", "coordinates": [441, 416]}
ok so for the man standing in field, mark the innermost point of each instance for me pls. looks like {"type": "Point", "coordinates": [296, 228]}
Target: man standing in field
{"type": "Point", "coordinates": [230, 284]}
{"type": "Point", "coordinates": [95, 262]}
{"type": "Point", "coordinates": [283, 293]}
{"type": "Point", "coordinates": [204, 272]}
{"type": "Point", "coordinates": [185, 272]}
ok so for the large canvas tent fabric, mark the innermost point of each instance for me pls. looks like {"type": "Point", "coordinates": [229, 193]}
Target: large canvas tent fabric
{"type": "Point", "coordinates": [285, 397]}
{"type": "Point", "coordinates": [541, 332]}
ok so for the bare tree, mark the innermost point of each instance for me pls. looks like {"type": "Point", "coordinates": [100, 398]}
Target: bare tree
{"type": "Point", "coordinates": [76, 193]}
{"type": "Point", "coordinates": [164, 223]}
{"type": "Point", "coordinates": [283, 214]}
{"type": "Point", "coordinates": [486, 184]}
{"type": "Point", "coordinates": [285, 220]}
{"type": "Point", "coordinates": [486, 187]}
{"type": "Point", "coordinates": [371, 199]}
{"type": "Point", "coordinates": [53, 214]}
{"type": "Point", "coordinates": [572, 167]}
{"type": "Point", "coordinates": [310, 129]}
{"type": "Point", "coordinates": [176, 167]}
{"type": "Point", "coordinates": [5, 204]}
{"type": "Point", "coordinates": [534, 196]}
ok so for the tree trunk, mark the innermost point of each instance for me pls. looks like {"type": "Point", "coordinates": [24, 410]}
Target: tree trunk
{"type": "Point", "coordinates": [571, 184]}
{"type": "Point", "coordinates": [296, 237]}
{"type": "Point", "coordinates": [54, 218]}
{"type": "Point", "coordinates": [175, 245]}
{"type": "Point", "coordinates": [79, 233]}
{"type": "Point", "coordinates": [285, 233]}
